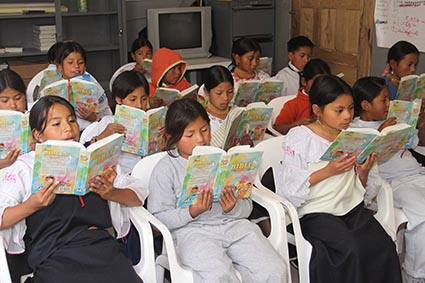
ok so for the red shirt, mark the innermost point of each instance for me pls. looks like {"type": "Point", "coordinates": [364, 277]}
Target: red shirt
{"type": "Point", "coordinates": [295, 109]}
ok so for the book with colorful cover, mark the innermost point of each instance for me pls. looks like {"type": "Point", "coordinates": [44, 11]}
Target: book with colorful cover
{"type": "Point", "coordinates": [255, 90]}
{"type": "Point", "coordinates": [15, 132]}
{"type": "Point", "coordinates": [143, 136]}
{"type": "Point", "coordinates": [265, 65]}
{"type": "Point", "coordinates": [169, 95]}
{"type": "Point", "coordinates": [212, 168]}
{"type": "Point", "coordinates": [73, 165]}
{"type": "Point", "coordinates": [50, 75]}
{"type": "Point", "coordinates": [361, 142]}
{"type": "Point", "coordinates": [252, 120]}
{"type": "Point", "coordinates": [406, 112]}
{"type": "Point", "coordinates": [147, 66]}
{"type": "Point", "coordinates": [77, 91]}
{"type": "Point", "coordinates": [411, 87]}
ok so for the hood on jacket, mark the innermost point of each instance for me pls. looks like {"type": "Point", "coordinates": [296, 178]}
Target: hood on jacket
{"type": "Point", "coordinates": [163, 60]}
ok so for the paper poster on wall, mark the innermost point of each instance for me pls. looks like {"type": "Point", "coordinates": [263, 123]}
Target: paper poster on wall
{"type": "Point", "coordinates": [400, 20]}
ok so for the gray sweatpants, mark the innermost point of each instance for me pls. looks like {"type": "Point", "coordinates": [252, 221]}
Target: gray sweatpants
{"type": "Point", "coordinates": [213, 252]}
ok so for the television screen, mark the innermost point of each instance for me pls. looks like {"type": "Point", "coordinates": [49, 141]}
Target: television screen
{"type": "Point", "coordinates": [180, 30]}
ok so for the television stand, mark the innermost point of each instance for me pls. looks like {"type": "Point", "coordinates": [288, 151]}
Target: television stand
{"type": "Point", "coordinates": [195, 65]}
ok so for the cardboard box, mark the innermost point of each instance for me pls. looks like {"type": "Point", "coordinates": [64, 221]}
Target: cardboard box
{"type": "Point", "coordinates": [27, 70]}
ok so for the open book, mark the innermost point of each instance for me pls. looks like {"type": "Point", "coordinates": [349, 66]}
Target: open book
{"type": "Point", "coordinates": [73, 165]}
{"type": "Point", "coordinates": [77, 91]}
{"type": "Point", "coordinates": [212, 168]}
{"type": "Point", "coordinates": [169, 95]}
{"type": "Point", "coordinates": [251, 120]}
{"type": "Point", "coordinates": [361, 142]}
{"type": "Point", "coordinates": [255, 90]}
{"type": "Point", "coordinates": [265, 65]}
{"type": "Point", "coordinates": [411, 87]}
{"type": "Point", "coordinates": [406, 112]}
{"type": "Point", "coordinates": [50, 75]}
{"type": "Point", "coordinates": [142, 129]}
{"type": "Point", "coordinates": [15, 132]}
{"type": "Point", "coordinates": [147, 66]}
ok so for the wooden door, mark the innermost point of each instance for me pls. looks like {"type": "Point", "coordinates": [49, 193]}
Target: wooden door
{"type": "Point", "coordinates": [341, 31]}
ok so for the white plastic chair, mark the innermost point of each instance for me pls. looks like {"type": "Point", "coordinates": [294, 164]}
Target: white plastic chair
{"type": "Point", "coordinates": [169, 260]}
{"type": "Point", "coordinates": [34, 82]}
{"type": "Point", "coordinates": [272, 157]}
{"type": "Point", "coordinates": [277, 104]}
{"type": "Point", "coordinates": [87, 132]}
{"type": "Point", "coordinates": [126, 67]}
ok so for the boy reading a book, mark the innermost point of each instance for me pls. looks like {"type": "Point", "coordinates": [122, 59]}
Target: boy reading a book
{"type": "Point", "coordinates": [69, 240]}
{"type": "Point", "coordinates": [300, 50]}
{"type": "Point", "coordinates": [213, 238]}
{"type": "Point", "coordinates": [349, 245]}
{"type": "Point", "coordinates": [402, 171]}
{"type": "Point", "coordinates": [12, 97]}
{"type": "Point", "coordinates": [168, 69]}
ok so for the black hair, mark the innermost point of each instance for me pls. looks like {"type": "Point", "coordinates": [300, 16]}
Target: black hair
{"type": "Point", "coordinates": [315, 67]}
{"type": "Point", "coordinates": [401, 49]}
{"type": "Point", "coordinates": [67, 48]}
{"type": "Point", "coordinates": [11, 79]}
{"type": "Point", "coordinates": [181, 113]}
{"type": "Point", "coordinates": [297, 42]}
{"type": "Point", "coordinates": [51, 53]}
{"type": "Point", "coordinates": [326, 89]}
{"type": "Point", "coordinates": [139, 43]}
{"type": "Point", "coordinates": [215, 75]}
{"type": "Point", "coordinates": [367, 88]}
{"type": "Point", "coordinates": [127, 82]}
{"type": "Point", "coordinates": [40, 111]}
{"type": "Point", "coordinates": [244, 45]}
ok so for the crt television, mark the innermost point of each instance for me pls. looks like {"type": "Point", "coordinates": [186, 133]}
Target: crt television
{"type": "Point", "coordinates": [186, 30]}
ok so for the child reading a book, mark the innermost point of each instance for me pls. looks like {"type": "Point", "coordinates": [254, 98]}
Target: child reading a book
{"type": "Point", "coordinates": [297, 111]}
{"type": "Point", "coordinates": [168, 69]}
{"type": "Point", "coordinates": [402, 59]}
{"type": "Point", "coordinates": [349, 245]}
{"type": "Point", "coordinates": [300, 50]}
{"type": "Point", "coordinates": [405, 174]}
{"type": "Point", "coordinates": [246, 55]}
{"type": "Point", "coordinates": [68, 237]}
{"type": "Point", "coordinates": [141, 49]}
{"type": "Point", "coordinates": [210, 237]}
{"type": "Point", "coordinates": [71, 59]}
{"type": "Point", "coordinates": [12, 97]}
{"type": "Point", "coordinates": [129, 88]}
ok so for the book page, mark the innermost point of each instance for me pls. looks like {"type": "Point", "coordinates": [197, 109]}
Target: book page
{"type": "Point", "coordinates": [269, 90]}
{"type": "Point", "coordinates": [406, 87]}
{"type": "Point", "coordinates": [152, 133]}
{"type": "Point", "coordinates": [246, 92]}
{"type": "Point", "coordinates": [168, 95]}
{"type": "Point", "coordinates": [84, 94]}
{"type": "Point", "coordinates": [131, 118]}
{"type": "Point", "coordinates": [10, 131]}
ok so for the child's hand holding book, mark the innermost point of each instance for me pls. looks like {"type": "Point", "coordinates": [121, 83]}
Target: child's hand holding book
{"type": "Point", "coordinates": [202, 204]}
{"type": "Point", "coordinates": [45, 196]}
{"type": "Point", "coordinates": [103, 184]}
{"type": "Point", "coordinates": [227, 199]}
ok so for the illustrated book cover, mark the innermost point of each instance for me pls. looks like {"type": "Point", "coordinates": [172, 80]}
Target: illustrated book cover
{"type": "Point", "coordinates": [411, 87]}
{"type": "Point", "coordinates": [169, 95]}
{"type": "Point", "coordinates": [212, 168]}
{"type": "Point", "coordinates": [143, 129]}
{"type": "Point", "coordinates": [73, 165]}
{"type": "Point", "coordinates": [15, 132]}
{"type": "Point", "coordinates": [255, 91]}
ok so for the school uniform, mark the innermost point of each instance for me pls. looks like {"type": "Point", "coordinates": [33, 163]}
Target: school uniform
{"type": "Point", "coordinates": [290, 76]}
{"type": "Point", "coordinates": [349, 245]}
{"type": "Point", "coordinates": [213, 243]}
{"type": "Point", "coordinates": [407, 178]}
{"type": "Point", "coordinates": [68, 241]}
{"type": "Point", "coordinates": [126, 160]}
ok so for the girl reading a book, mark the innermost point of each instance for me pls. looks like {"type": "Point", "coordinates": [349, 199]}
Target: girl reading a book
{"type": "Point", "coordinates": [71, 61]}
{"type": "Point", "coordinates": [297, 111]}
{"type": "Point", "coordinates": [402, 59]}
{"type": "Point", "coordinates": [246, 55]}
{"type": "Point", "coordinates": [130, 88]}
{"type": "Point", "coordinates": [402, 171]}
{"type": "Point", "coordinates": [68, 240]}
{"type": "Point", "coordinates": [141, 49]}
{"type": "Point", "coordinates": [210, 236]}
{"type": "Point", "coordinates": [168, 69]}
{"type": "Point", "coordinates": [12, 97]}
{"type": "Point", "coordinates": [349, 245]}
